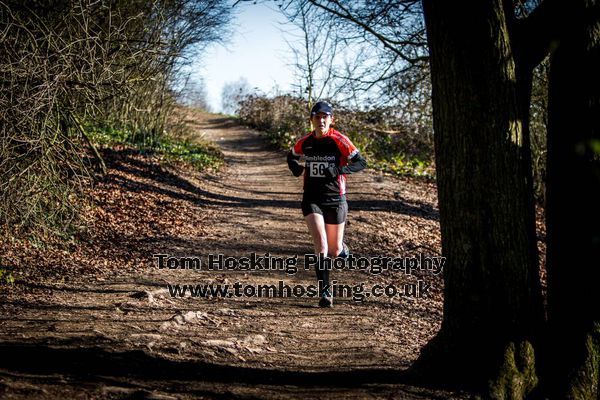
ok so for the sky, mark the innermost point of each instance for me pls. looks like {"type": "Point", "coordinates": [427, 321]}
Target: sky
{"type": "Point", "coordinates": [257, 51]}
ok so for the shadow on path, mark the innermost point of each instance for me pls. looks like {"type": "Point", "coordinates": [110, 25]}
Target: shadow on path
{"type": "Point", "coordinates": [185, 190]}
{"type": "Point", "coordinates": [93, 363]}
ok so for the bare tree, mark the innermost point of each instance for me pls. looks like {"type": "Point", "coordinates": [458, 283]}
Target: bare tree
{"type": "Point", "coordinates": [233, 93]}
{"type": "Point", "coordinates": [69, 65]}
{"type": "Point", "coordinates": [193, 94]}
{"type": "Point", "coordinates": [370, 54]}
{"type": "Point", "coordinates": [315, 51]}
{"type": "Point", "coordinates": [386, 40]}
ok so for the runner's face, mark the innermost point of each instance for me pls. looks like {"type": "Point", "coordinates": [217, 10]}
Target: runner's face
{"type": "Point", "coordinates": [321, 122]}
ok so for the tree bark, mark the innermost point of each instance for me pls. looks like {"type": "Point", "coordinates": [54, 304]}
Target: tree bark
{"type": "Point", "coordinates": [573, 199]}
{"type": "Point", "coordinates": [492, 303]}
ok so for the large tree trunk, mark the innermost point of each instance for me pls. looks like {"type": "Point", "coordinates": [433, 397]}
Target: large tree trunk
{"type": "Point", "coordinates": [573, 202]}
{"type": "Point", "coordinates": [492, 303]}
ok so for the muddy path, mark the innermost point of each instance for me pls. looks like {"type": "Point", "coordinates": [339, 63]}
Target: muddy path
{"type": "Point", "coordinates": [116, 331]}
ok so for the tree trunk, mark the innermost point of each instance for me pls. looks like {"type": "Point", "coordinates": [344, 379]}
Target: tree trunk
{"type": "Point", "coordinates": [492, 303]}
{"type": "Point", "coordinates": [573, 201]}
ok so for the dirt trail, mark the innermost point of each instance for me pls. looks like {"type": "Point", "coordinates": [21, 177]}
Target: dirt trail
{"type": "Point", "coordinates": [126, 337]}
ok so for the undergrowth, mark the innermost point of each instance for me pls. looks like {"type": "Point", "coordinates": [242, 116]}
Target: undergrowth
{"type": "Point", "coordinates": [388, 144]}
{"type": "Point", "coordinates": [201, 155]}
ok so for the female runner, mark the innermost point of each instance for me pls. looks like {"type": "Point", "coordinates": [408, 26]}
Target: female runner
{"type": "Point", "coordinates": [329, 156]}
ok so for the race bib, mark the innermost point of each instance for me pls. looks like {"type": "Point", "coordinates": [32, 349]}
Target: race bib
{"type": "Point", "coordinates": [316, 169]}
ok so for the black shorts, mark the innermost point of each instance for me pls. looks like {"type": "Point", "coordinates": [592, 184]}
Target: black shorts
{"type": "Point", "coordinates": [333, 214]}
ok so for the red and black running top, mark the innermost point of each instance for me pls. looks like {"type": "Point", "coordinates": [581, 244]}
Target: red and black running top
{"type": "Point", "coordinates": [327, 161]}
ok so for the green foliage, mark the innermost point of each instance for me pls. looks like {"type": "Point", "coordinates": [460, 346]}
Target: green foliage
{"type": "Point", "coordinates": [538, 126]}
{"type": "Point", "coordinates": [109, 136]}
{"type": "Point", "coordinates": [399, 166]}
{"type": "Point", "coordinates": [6, 277]}
{"type": "Point", "coordinates": [584, 380]}
{"type": "Point", "coordinates": [201, 155]}
{"type": "Point", "coordinates": [282, 119]}
{"type": "Point", "coordinates": [595, 146]}
{"type": "Point", "coordinates": [516, 377]}
{"type": "Point", "coordinates": [388, 143]}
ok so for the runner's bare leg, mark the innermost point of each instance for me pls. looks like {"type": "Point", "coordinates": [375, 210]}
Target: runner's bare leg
{"type": "Point", "coordinates": [335, 238]}
{"type": "Point", "coordinates": [316, 227]}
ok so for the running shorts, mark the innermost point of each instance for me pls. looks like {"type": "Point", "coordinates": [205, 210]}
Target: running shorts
{"type": "Point", "coordinates": [333, 214]}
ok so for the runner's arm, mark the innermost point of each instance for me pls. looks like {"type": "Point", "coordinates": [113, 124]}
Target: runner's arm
{"type": "Point", "coordinates": [294, 164]}
{"type": "Point", "coordinates": [356, 163]}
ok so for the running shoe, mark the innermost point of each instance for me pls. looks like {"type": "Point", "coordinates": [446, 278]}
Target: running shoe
{"type": "Point", "coordinates": [326, 300]}
{"type": "Point", "coordinates": [345, 251]}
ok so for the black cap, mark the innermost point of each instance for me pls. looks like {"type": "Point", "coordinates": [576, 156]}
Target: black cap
{"type": "Point", "coordinates": [321, 107]}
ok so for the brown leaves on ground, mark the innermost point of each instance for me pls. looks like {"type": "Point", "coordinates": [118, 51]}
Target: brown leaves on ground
{"type": "Point", "coordinates": [136, 203]}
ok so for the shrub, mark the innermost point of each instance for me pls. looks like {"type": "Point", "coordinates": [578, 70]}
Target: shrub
{"type": "Point", "coordinates": [390, 144]}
